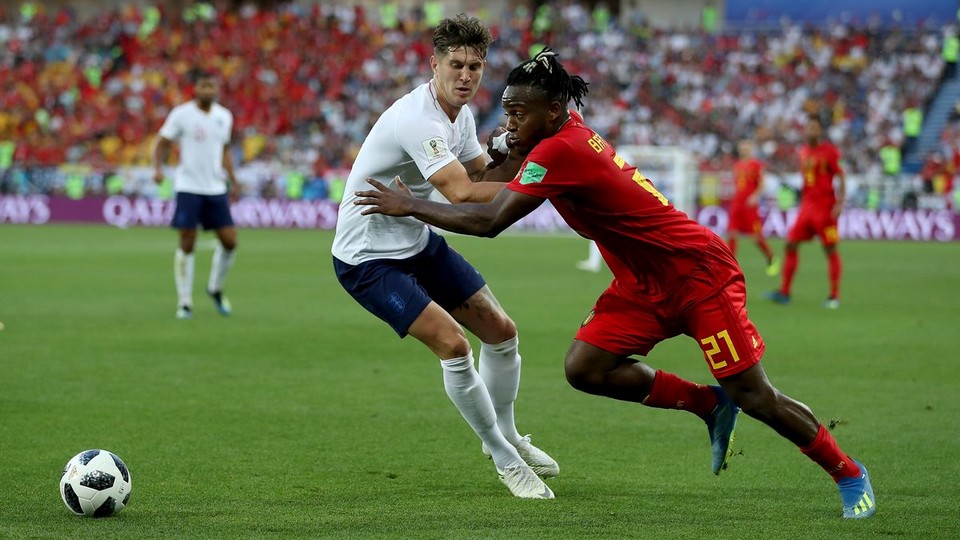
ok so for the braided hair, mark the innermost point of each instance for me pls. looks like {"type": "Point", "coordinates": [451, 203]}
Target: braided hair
{"type": "Point", "coordinates": [544, 71]}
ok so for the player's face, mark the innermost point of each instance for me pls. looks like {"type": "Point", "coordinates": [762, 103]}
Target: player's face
{"type": "Point", "coordinates": [457, 76]}
{"type": "Point", "coordinates": [206, 90]}
{"type": "Point", "coordinates": [745, 149]}
{"type": "Point", "coordinates": [531, 116]}
{"type": "Point", "coordinates": [813, 132]}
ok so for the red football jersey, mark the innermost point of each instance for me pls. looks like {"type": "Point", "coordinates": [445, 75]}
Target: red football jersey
{"type": "Point", "coordinates": [747, 174]}
{"type": "Point", "coordinates": [819, 164]}
{"type": "Point", "coordinates": [646, 242]}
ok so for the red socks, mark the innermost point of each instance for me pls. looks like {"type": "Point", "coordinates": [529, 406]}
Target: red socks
{"type": "Point", "coordinates": [833, 270]}
{"type": "Point", "coordinates": [825, 453]}
{"type": "Point", "coordinates": [671, 392]}
{"type": "Point", "coordinates": [789, 268]}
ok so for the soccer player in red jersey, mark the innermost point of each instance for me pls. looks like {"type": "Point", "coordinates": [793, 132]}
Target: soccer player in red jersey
{"type": "Point", "coordinates": [744, 215]}
{"type": "Point", "coordinates": [820, 206]}
{"type": "Point", "coordinates": [671, 276]}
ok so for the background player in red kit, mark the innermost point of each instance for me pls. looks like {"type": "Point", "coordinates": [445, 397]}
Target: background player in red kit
{"type": "Point", "coordinates": [820, 206]}
{"type": "Point", "coordinates": [744, 214]}
{"type": "Point", "coordinates": [671, 276]}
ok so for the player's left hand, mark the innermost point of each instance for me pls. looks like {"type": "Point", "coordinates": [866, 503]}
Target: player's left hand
{"type": "Point", "coordinates": [837, 210]}
{"type": "Point", "coordinates": [234, 191]}
{"type": "Point", "coordinates": [384, 200]}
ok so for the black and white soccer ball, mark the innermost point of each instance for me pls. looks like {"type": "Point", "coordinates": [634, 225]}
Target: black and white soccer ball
{"type": "Point", "coordinates": [95, 483]}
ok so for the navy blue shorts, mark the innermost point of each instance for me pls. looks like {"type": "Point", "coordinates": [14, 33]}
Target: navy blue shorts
{"type": "Point", "coordinates": [398, 290]}
{"type": "Point", "coordinates": [211, 211]}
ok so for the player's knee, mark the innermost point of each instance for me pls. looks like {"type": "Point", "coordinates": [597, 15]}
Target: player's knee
{"type": "Point", "coordinates": [451, 345]}
{"type": "Point", "coordinates": [582, 376]}
{"type": "Point", "coordinates": [495, 326]}
{"type": "Point", "coordinates": [506, 328]}
{"type": "Point", "coordinates": [229, 244]}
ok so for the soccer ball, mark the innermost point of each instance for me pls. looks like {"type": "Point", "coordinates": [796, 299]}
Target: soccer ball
{"type": "Point", "coordinates": [95, 483]}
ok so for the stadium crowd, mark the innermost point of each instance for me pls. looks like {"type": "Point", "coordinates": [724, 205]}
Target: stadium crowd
{"type": "Point", "coordinates": [305, 83]}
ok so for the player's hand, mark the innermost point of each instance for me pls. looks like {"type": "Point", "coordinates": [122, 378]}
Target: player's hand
{"type": "Point", "coordinates": [498, 145]}
{"type": "Point", "coordinates": [158, 177]}
{"type": "Point", "coordinates": [837, 210]}
{"type": "Point", "coordinates": [384, 200]}
{"type": "Point", "coordinates": [235, 191]}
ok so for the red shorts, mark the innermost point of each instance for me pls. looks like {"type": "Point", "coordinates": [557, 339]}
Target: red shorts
{"type": "Point", "coordinates": [744, 219]}
{"type": "Point", "coordinates": [710, 307]}
{"type": "Point", "coordinates": [814, 222]}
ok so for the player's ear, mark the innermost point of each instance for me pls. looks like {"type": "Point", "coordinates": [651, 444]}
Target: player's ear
{"type": "Point", "coordinates": [555, 110]}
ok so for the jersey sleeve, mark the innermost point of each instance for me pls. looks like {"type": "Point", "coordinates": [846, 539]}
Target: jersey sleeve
{"type": "Point", "coordinates": [547, 172]}
{"type": "Point", "coordinates": [171, 128]}
{"type": "Point", "coordinates": [424, 140]}
{"type": "Point", "coordinates": [228, 135]}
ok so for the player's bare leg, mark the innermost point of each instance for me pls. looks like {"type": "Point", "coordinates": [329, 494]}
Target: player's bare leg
{"type": "Point", "coordinates": [752, 392]}
{"type": "Point", "coordinates": [834, 269]}
{"type": "Point", "coordinates": [595, 371]}
{"type": "Point", "coordinates": [183, 264]}
{"type": "Point", "coordinates": [223, 257]}
{"type": "Point", "coordinates": [441, 333]}
{"type": "Point", "coordinates": [499, 369]}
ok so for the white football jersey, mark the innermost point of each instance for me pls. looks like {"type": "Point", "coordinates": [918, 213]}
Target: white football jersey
{"type": "Point", "coordinates": [413, 139]}
{"type": "Point", "coordinates": [201, 137]}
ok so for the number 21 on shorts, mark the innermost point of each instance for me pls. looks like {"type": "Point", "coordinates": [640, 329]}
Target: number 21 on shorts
{"type": "Point", "coordinates": [716, 354]}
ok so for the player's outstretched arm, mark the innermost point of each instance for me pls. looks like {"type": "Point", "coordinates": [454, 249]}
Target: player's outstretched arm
{"type": "Point", "coordinates": [487, 219]}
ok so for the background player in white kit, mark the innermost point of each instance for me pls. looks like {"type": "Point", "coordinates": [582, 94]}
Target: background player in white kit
{"type": "Point", "coordinates": [406, 275]}
{"type": "Point", "coordinates": [202, 129]}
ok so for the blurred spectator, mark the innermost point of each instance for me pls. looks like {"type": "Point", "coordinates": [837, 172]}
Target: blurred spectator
{"type": "Point", "coordinates": [306, 81]}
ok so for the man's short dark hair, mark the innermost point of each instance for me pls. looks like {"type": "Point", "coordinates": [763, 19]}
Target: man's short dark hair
{"type": "Point", "coordinates": [544, 71]}
{"type": "Point", "coordinates": [461, 31]}
{"type": "Point", "coordinates": [200, 74]}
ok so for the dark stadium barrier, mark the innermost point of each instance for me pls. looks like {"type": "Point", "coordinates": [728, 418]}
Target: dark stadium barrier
{"type": "Point", "coordinates": [121, 211]}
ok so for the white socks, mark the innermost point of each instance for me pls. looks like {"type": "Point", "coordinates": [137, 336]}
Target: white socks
{"type": "Point", "coordinates": [500, 371]}
{"type": "Point", "coordinates": [594, 258]}
{"type": "Point", "coordinates": [222, 261]}
{"type": "Point", "coordinates": [183, 277]}
{"type": "Point", "coordinates": [467, 391]}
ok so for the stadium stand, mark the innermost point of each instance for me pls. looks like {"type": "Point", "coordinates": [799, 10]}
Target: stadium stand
{"type": "Point", "coordinates": [305, 82]}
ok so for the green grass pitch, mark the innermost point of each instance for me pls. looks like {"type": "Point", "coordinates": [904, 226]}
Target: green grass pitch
{"type": "Point", "coordinates": [302, 416]}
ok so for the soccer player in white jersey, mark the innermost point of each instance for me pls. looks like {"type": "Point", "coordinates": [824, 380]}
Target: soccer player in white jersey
{"type": "Point", "coordinates": [409, 277]}
{"type": "Point", "coordinates": [202, 129]}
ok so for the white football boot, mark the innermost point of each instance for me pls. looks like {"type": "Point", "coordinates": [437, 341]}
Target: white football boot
{"type": "Point", "coordinates": [538, 460]}
{"type": "Point", "coordinates": [524, 483]}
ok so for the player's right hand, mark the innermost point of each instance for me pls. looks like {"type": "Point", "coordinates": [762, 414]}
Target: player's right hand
{"type": "Point", "coordinates": [384, 200]}
{"type": "Point", "coordinates": [158, 177]}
